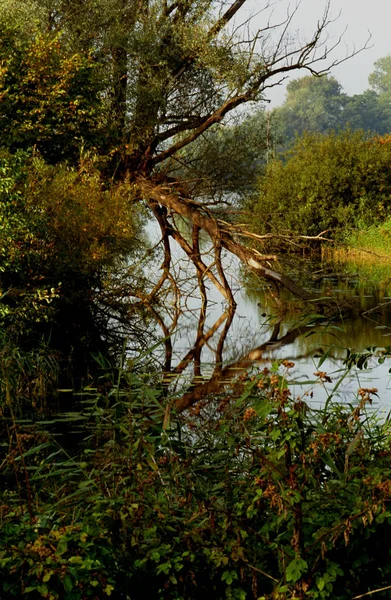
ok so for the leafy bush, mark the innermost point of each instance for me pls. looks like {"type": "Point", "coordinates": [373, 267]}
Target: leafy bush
{"type": "Point", "coordinates": [327, 182]}
{"type": "Point", "coordinates": [255, 495]}
{"type": "Point", "coordinates": [60, 228]}
{"type": "Point", "coordinates": [50, 95]}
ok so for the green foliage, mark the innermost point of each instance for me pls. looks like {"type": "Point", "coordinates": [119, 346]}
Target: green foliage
{"type": "Point", "coordinates": [312, 104]}
{"type": "Point", "coordinates": [60, 230]}
{"type": "Point", "coordinates": [376, 238]}
{"type": "Point", "coordinates": [380, 79]}
{"type": "Point", "coordinates": [28, 378]}
{"type": "Point", "coordinates": [116, 75]}
{"type": "Point", "coordinates": [260, 495]}
{"type": "Point", "coordinates": [334, 182]}
{"type": "Point", "coordinates": [268, 497]}
{"type": "Point", "coordinates": [319, 105]}
{"type": "Point", "coordinates": [71, 562]}
{"type": "Point", "coordinates": [228, 160]}
{"type": "Point", "coordinates": [49, 94]}
{"type": "Point", "coordinates": [367, 112]}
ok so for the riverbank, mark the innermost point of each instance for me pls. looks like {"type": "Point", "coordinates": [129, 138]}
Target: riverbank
{"type": "Point", "coordinates": [368, 245]}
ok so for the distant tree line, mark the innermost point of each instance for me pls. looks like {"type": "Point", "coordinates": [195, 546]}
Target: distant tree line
{"type": "Point", "coordinates": [325, 165]}
{"type": "Point", "coordinates": [319, 105]}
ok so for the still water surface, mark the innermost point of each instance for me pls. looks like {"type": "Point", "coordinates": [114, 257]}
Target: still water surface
{"type": "Point", "coordinates": [365, 324]}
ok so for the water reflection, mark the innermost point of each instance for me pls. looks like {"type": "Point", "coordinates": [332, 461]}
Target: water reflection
{"type": "Point", "coordinates": [207, 343]}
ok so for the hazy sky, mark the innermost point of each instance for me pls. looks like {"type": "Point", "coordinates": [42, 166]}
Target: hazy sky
{"type": "Point", "coordinates": [359, 16]}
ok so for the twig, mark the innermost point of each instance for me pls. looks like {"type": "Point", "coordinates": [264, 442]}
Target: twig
{"type": "Point", "coordinates": [375, 308]}
{"type": "Point", "coordinates": [388, 587]}
{"type": "Point", "coordinates": [261, 572]}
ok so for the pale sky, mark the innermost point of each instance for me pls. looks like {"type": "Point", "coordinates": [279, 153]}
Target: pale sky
{"type": "Point", "coordinates": [360, 17]}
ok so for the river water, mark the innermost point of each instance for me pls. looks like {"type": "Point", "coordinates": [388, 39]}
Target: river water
{"type": "Point", "coordinates": [321, 346]}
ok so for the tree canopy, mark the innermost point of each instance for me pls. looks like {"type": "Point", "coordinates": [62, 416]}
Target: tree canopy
{"type": "Point", "coordinates": [319, 105]}
{"type": "Point", "coordinates": [380, 79]}
{"type": "Point", "coordinates": [311, 104]}
{"type": "Point", "coordinates": [147, 72]}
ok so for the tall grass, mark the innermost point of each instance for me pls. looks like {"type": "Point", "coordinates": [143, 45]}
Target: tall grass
{"type": "Point", "coordinates": [373, 240]}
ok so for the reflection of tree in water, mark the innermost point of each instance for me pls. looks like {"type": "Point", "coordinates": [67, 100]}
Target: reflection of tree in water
{"type": "Point", "coordinates": [200, 356]}
{"type": "Point", "coordinates": [203, 353]}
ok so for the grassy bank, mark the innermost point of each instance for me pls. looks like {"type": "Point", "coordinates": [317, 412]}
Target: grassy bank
{"type": "Point", "coordinates": [371, 243]}
{"type": "Point", "coordinates": [366, 252]}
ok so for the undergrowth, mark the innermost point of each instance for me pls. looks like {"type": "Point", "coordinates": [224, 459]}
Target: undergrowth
{"type": "Point", "coordinates": [251, 495]}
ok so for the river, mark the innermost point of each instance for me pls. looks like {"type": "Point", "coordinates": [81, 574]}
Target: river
{"type": "Point", "coordinates": [322, 344]}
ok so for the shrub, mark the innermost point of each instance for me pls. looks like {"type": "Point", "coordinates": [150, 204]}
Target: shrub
{"type": "Point", "coordinates": [326, 182]}
{"type": "Point", "coordinates": [60, 228]}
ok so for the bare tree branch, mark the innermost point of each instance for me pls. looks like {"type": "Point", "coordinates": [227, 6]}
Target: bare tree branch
{"type": "Point", "coordinates": [193, 211]}
{"type": "Point", "coordinates": [226, 17]}
{"type": "Point", "coordinates": [227, 374]}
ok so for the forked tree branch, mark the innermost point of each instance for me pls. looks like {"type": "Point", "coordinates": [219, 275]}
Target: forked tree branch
{"type": "Point", "coordinates": [226, 375]}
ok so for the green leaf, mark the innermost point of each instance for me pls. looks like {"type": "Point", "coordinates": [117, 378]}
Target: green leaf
{"type": "Point", "coordinates": [47, 576]}
{"type": "Point", "coordinates": [320, 583]}
{"type": "Point", "coordinates": [43, 590]}
{"type": "Point", "coordinates": [62, 546]}
{"type": "Point", "coordinates": [229, 576]}
{"type": "Point", "coordinates": [295, 569]}
{"type": "Point", "coordinates": [68, 583]}
{"type": "Point", "coordinates": [33, 450]}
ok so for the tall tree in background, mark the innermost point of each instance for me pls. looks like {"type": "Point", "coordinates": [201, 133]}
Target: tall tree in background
{"type": "Point", "coordinates": [380, 81]}
{"type": "Point", "coordinates": [319, 105]}
{"type": "Point", "coordinates": [368, 112]}
{"type": "Point", "coordinates": [312, 104]}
